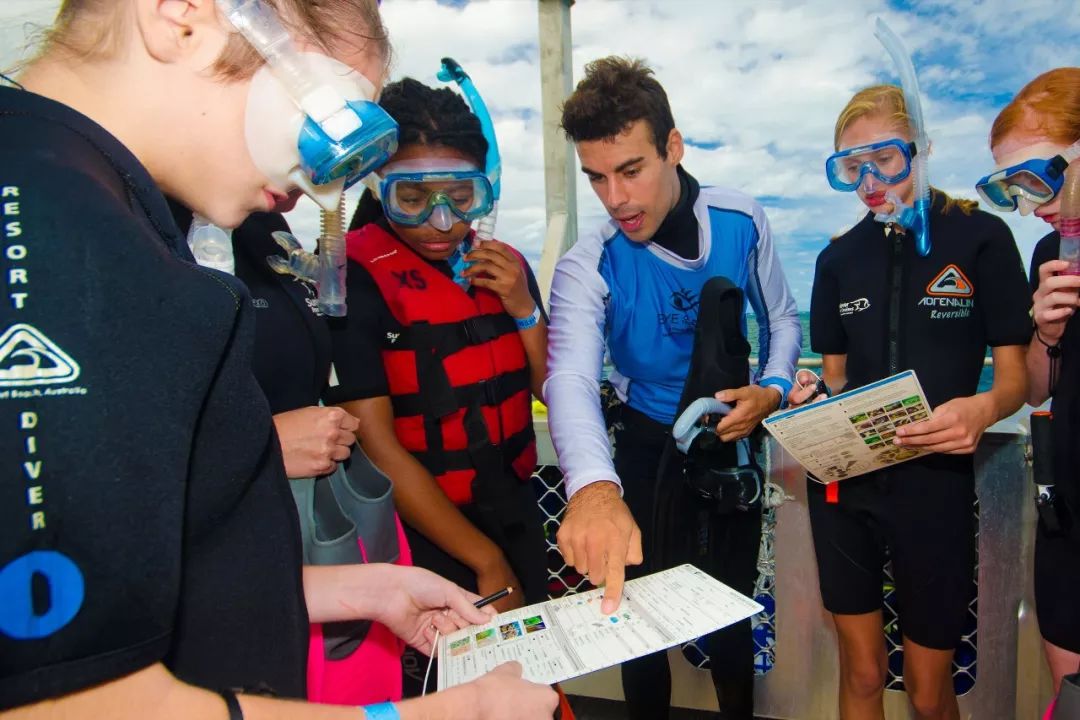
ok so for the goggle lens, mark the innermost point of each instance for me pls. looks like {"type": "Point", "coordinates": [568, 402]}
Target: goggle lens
{"type": "Point", "coordinates": [410, 199]}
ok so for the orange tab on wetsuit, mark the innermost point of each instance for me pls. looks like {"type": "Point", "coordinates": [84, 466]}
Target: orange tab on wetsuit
{"type": "Point", "coordinates": [832, 492]}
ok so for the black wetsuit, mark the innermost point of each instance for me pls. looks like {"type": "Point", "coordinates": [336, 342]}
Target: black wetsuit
{"type": "Point", "coordinates": [144, 511]}
{"type": "Point", "coordinates": [887, 309]}
{"type": "Point", "coordinates": [1057, 558]}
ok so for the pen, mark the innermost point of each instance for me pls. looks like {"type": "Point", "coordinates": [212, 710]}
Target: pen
{"type": "Point", "coordinates": [493, 597]}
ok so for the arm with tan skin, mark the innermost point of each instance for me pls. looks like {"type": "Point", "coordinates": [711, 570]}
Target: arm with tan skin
{"type": "Point", "coordinates": [833, 372]}
{"type": "Point", "coordinates": [598, 535]}
{"type": "Point", "coordinates": [497, 268]}
{"type": "Point", "coordinates": [1054, 303]}
{"type": "Point", "coordinates": [423, 504]}
{"type": "Point", "coordinates": [409, 601]}
{"type": "Point", "coordinates": [957, 425]}
{"type": "Point", "coordinates": [314, 439]}
{"type": "Point", "coordinates": [154, 694]}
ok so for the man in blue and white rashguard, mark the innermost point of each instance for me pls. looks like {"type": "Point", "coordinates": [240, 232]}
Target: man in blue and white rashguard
{"type": "Point", "coordinates": [629, 290]}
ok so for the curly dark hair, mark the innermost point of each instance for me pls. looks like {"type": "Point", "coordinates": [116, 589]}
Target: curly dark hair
{"type": "Point", "coordinates": [426, 116]}
{"type": "Point", "coordinates": [615, 93]}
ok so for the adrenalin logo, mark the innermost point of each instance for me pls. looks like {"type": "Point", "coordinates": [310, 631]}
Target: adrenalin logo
{"type": "Point", "coordinates": [950, 282]}
{"type": "Point", "coordinates": [27, 357]}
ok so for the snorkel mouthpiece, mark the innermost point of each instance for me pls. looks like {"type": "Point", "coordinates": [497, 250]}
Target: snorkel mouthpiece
{"type": "Point", "coordinates": [911, 217]}
{"type": "Point", "coordinates": [917, 218]}
{"type": "Point", "coordinates": [326, 270]}
{"type": "Point", "coordinates": [332, 262]}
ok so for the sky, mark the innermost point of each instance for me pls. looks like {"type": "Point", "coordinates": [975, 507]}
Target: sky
{"type": "Point", "coordinates": [755, 87]}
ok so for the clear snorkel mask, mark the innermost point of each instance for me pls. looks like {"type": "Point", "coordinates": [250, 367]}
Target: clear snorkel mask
{"type": "Point", "coordinates": [435, 191]}
{"type": "Point", "coordinates": [311, 124]}
{"type": "Point", "coordinates": [889, 161]}
{"type": "Point", "coordinates": [440, 192]}
{"type": "Point", "coordinates": [1027, 184]}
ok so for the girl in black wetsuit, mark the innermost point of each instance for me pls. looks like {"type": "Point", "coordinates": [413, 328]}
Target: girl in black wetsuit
{"type": "Point", "coordinates": [1042, 123]}
{"type": "Point", "coordinates": [877, 308]}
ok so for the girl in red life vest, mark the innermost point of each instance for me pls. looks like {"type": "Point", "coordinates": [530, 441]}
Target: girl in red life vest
{"type": "Point", "coordinates": [442, 350]}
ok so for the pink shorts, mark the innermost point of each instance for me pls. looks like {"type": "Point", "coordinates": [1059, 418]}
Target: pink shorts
{"type": "Point", "coordinates": [371, 674]}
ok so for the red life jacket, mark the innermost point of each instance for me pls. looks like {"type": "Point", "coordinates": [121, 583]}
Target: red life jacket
{"type": "Point", "coordinates": [457, 372]}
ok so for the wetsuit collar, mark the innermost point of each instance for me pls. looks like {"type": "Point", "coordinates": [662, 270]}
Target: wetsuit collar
{"type": "Point", "coordinates": [678, 233]}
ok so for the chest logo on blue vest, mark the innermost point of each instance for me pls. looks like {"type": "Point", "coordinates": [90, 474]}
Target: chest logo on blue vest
{"type": "Point", "coordinates": [682, 313]}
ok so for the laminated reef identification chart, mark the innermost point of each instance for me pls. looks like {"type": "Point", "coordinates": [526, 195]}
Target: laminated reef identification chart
{"type": "Point", "coordinates": [561, 639]}
{"type": "Point", "coordinates": [852, 433]}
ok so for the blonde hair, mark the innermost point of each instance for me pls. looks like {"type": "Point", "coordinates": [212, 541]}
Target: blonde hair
{"type": "Point", "coordinates": [95, 29]}
{"type": "Point", "coordinates": [887, 102]}
{"type": "Point", "coordinates": [883, 101]}
{"type": "Point", "coordinates": [1049, 104]}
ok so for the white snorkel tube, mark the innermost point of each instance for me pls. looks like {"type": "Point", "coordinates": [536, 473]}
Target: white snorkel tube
{"type": "Point", "coordinates": [915, 219]}
{"type": "Point", "coordinates": [451, 71]}
{"type": "Point", "coordinates": [330, 137]}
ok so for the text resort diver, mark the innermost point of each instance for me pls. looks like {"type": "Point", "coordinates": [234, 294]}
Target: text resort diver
{"type": "Point", "coordinates": [168, 534]}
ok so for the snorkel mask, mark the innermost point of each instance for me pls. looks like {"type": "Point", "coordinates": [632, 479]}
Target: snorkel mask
{"type": "Point", "coordinates": [311, 124]}
{"type": "Point", "coordinates": [916, 219]}
{"type": "Point", "coordinates": [435, 191]}
{"type": "Point", "coordinates": [889, 161]}
{"type": "Point", "coordinates": [1026, 185]}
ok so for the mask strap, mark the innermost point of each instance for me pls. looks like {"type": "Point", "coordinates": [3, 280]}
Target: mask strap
{"type": "Point", "coordinates": [12, 81]}
{"type": "Point", "coordinates": [1072, 152]}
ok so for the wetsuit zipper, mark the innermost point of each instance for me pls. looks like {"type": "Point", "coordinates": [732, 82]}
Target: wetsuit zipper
{"type": "Point", "coordinates": [896, 272]}
{"type": "Point", "coordinates": [896, 267]}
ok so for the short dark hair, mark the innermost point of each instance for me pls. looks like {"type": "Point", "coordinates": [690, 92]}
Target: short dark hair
{"type": "Point", "coordinates": [615, 93]}
{"type": "Point", "coordinates": [431, 117]}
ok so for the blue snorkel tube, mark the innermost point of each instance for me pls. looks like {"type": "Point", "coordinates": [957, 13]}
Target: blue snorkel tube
{"type": "Point", "coordinates": [915, 219]}
{"type": "Point", "coordinates": [451, 71]}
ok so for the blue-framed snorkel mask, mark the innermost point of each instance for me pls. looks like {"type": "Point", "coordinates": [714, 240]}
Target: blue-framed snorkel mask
{"type": "Point", "coordinates": [889, 161]}
{"type": "Point", "coordinates": [1028, 184]}
{"type": "Point", "coordinates": [311, 120]}
{"type": "Point", "coordinates": [440, 195]}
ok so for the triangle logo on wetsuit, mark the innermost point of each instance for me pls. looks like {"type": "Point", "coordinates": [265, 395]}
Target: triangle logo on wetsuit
{"type": "Point", "coordinates": [27, 357]}
{"type": "Point", "coordinates": [950, 282]}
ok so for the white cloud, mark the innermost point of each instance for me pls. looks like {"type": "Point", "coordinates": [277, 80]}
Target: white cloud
{"type": "Point", "coordinates": [759, 81]}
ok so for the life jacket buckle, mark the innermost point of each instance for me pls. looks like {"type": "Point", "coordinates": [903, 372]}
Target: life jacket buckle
{"type": "Point", "coordinates": [490, 391]}
{"type": "Point", "coordinates": [480, 330]}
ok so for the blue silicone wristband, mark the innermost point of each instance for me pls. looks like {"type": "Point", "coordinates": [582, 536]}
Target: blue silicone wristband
{"type": "Point", "coordinates": [382, 711]}
{"type": "Point", "coordinates": [527, 322]}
